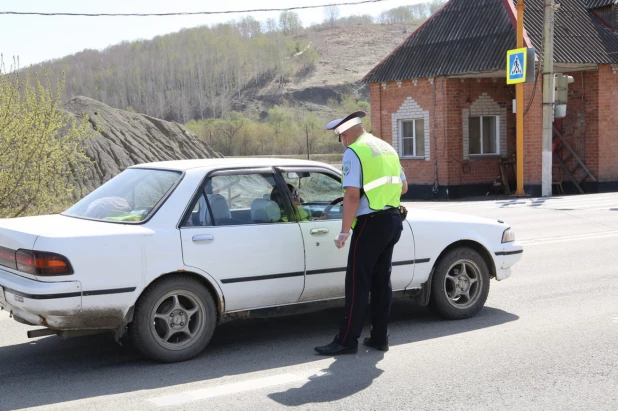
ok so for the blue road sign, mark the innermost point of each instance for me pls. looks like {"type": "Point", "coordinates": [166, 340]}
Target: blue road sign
{"type": "Point", "coordinates": [516, 66]}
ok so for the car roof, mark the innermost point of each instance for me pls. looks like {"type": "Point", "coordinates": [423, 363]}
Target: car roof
{"type": "Point", "coordinates": [227, 162]}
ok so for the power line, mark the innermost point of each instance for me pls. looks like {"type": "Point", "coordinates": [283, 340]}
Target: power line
{"type": "Point", "coordinates": [186, 13]}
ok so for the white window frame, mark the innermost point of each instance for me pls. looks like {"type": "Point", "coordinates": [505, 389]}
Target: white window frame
{"type": "Point", "coordinates": [414, 137]}
{"type": "Point", "coordinates": [497, 136]}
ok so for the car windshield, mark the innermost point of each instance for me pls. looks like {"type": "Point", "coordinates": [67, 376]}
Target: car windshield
{"type": "Point", "coordinates": [129, 197]}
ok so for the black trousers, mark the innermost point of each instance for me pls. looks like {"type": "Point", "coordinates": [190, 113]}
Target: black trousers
{"type": "Point", "coordinates": [369, 270]}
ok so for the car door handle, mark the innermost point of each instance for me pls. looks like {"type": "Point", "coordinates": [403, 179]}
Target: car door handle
{"type": "Point", "coordinates": [317, 231]}
{"type": "Point", "coordinates": [203, 238]}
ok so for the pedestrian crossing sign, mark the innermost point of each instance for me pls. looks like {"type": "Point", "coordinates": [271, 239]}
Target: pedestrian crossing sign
{"type": "Point", "coordinates": [516, 66]}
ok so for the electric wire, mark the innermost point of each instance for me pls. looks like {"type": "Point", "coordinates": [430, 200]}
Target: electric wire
{"type": "Point", "coordinates": [187, 13]}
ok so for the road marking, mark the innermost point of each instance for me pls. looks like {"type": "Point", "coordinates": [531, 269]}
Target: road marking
{"type": "Point", "coordinates": [579, 203]}
{"type": "Point", "coordinates": [233, 388]}
{"type": "Point", "coordinates": [615, 320]}
{"type": "Point", "coordinates": [576, 237]}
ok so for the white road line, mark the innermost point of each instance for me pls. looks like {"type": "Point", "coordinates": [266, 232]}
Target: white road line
{"type": "Point", "coordinates": [233, 388]}
{"type": "Point", "coordinates": [554, 206]}
{"type": "Point", "coordinates": [577, 237]}
{"type": "Point", "coordinates": [575, 203]}
{"type": "Point", "coordinates": [615, 320]}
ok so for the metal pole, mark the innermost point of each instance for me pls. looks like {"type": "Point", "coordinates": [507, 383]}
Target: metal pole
{"type": "Point", "coordinates": [548, 97]}
{"type": "Point", "coordinates": [519, 99]}
{"type": "Point", "coordinates": [307, 134]}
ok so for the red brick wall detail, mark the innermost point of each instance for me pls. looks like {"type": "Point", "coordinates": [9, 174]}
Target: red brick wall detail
{"type": "Point", "coordinates": [608, 124]}
{"type": "Point", "coordinates": [591, 125]}
{"type": "Point", "coordinates": [446, 127]}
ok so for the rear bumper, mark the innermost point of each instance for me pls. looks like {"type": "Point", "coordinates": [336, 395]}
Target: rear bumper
{"type": "Point", "coordinates": [505, 258]}
{"type": "Point", "coordinates": [65, 305]}
{"type": "Point", "coordinates": [40, 302]}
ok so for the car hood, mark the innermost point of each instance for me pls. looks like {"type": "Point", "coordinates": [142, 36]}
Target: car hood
{"type": "Point", "coordinates": [422, 215]}
{"type": "Point", "coordinates": [22, 232]}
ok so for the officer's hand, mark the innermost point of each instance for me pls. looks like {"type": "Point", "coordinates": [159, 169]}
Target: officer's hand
{"type": "Point", "coordinates": [341, 239]}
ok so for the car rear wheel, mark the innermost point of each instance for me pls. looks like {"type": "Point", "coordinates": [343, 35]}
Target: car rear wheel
{"type": "Point", "coordinates": [460, 284]}
{"type": "Point", "coordinates": [174, 319]}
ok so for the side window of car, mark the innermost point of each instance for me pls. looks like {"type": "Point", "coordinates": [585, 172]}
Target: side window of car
{"type": "Point", "coordinates": [314, 192]}
{"type": "Point", "coordinates": [237, 200]}
{"type": "Point", "coordinates": [200, 214]}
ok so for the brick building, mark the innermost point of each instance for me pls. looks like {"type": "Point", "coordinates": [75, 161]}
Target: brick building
{"type": "Point", "coordinates": [442, 100]}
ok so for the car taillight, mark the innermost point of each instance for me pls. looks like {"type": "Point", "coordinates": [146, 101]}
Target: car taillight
{"type": "Point", "coordinates": [42, 263]}
{"type": "Point", "coordinates": [7, 258]}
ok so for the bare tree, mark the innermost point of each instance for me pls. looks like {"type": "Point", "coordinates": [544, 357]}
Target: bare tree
{"type": "Point", "coordinates": [435, 5]}
{"type": "Point", "coordinates": [331, 14]}
{"type": "Point", "coordinates": [289, 23]}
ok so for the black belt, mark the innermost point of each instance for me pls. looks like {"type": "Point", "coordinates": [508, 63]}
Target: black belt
{"type": "Point", "coordinates": [381, 212]}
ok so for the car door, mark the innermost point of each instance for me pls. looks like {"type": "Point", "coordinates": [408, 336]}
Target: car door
{"type": "Point", "coordinates": [325, 263]}
{"type": "Point", "coordinates": [236, 234]}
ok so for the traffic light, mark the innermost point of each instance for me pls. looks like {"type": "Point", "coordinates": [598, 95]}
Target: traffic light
{"type": "Point", "coordinates": [562, 94]}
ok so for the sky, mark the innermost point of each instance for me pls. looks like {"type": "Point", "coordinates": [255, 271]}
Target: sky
{"type": "Point", "coordinates": [39, 38]}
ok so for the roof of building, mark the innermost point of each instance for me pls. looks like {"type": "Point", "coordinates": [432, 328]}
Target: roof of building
{"type": "Point", "coordinates": [594, 4]}
{"type": "Point", "coordinates": [468, 36]}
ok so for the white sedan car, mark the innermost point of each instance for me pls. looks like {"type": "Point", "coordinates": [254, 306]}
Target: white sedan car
{"type": "Point", "coordinates": [166, 251]}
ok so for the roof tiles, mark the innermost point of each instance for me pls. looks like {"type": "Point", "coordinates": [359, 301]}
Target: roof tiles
{"type": "Point", "coordinates": [473, 36]}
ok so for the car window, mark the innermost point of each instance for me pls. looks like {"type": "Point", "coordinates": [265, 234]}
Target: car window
{"type": "Point", "coordinates": [130, 197]}
{"type": "Point", "coordinates": [316, 190]}
{"type": "Point", "coordinates": [236, 200]}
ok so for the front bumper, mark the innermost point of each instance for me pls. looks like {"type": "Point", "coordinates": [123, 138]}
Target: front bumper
{"type": "Point", "coordinates": [37, 302]}
{"type": "Point", "coordinates": [506, 257]}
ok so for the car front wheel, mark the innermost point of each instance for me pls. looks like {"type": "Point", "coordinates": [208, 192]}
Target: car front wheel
{"type": "Point", "coordinates": [460, 284]}
{"type": "Point", "coordinates": [174, 319]}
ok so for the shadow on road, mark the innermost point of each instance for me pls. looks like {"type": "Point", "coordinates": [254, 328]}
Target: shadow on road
{"type": "Point", "coordinates": [346, 376]}
{"type": "Point", "coordinates": [52, 370]}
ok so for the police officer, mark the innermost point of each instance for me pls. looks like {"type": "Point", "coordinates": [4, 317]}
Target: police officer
{"type": "Point", "coordinates": [373, 181]}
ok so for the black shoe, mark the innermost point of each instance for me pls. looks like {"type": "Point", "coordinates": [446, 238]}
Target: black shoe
{"type": "Point", "coordinates": [370, 343]}
{"type": "Point", "coordinates": [335, 348]}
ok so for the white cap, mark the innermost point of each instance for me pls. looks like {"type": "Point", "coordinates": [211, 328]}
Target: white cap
{"type": "Point", "coordinates": [348, 124]}
{"type": "Point", "coordinates": [342, 124]}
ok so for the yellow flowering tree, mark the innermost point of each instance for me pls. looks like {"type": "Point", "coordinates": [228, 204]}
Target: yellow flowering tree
{"type": "Point", "coordinates": [41, 146]}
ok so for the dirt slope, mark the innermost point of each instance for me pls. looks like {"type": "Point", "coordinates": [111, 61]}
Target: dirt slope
{"type": "Point", "coordinates": [346, 55]}
{"type": "Point", "coordinates": [128, 138]}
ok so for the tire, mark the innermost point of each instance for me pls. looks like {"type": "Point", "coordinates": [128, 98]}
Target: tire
{"type": "Point", "coordinates": [456, 295]}
{"type": "Point", "coordinates": [174, 319]}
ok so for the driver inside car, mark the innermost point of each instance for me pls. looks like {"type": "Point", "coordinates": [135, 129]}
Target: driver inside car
{"type": "Point", "coordinates": [275, 196]}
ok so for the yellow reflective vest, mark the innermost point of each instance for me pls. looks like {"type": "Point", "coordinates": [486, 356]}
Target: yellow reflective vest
{"type": "Point", "coordinates": [381, 171]}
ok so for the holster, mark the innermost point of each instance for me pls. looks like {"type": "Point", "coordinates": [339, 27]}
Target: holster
{"type": "Point", "coordinates": [403, 211]}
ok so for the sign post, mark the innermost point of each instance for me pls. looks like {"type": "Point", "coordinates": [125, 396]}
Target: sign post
{"type": "Point", "coordinates": [518, 72]}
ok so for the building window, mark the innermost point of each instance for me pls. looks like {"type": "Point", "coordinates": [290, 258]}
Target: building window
{"type": "Point", "coordinates": [413, 138]}
{"type": "Point", "coordinates": [484, 134]}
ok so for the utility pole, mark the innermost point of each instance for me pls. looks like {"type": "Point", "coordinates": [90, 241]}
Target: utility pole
{"type": "Point", "coordinates": [519, 100]}
{"type": "Point", "coordinates": [548, 97]}
{"type": "Point", "coordinates": [307, 134]}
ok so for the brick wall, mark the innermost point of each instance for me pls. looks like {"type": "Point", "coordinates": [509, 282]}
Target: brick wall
{"type": "Point", "coordinates": [410, 110]}
{"type": "Point", "coordinates": [591, 124]}
{"type": "Point", "coordinates": [484, 106]}
{"type": "Point", "coordinates": [445, 104]}
{"type": "Point", "coordinates": [608, 123]}
{"type": "Point", "coordinates": [589, 130]}
{"type": "Point", "coordinates": [533, 134]}
{"type": "Point", "coordinates": [387, 99]}
{"type": "Point", "coordinates": [580, 126]}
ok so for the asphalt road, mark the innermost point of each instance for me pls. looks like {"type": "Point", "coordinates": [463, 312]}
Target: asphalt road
{"type": "Point", "coordinates": [546, 340]}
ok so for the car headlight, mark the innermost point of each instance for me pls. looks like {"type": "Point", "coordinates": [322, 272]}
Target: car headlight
{"type": "Point", "coordinates": [508, 235]}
